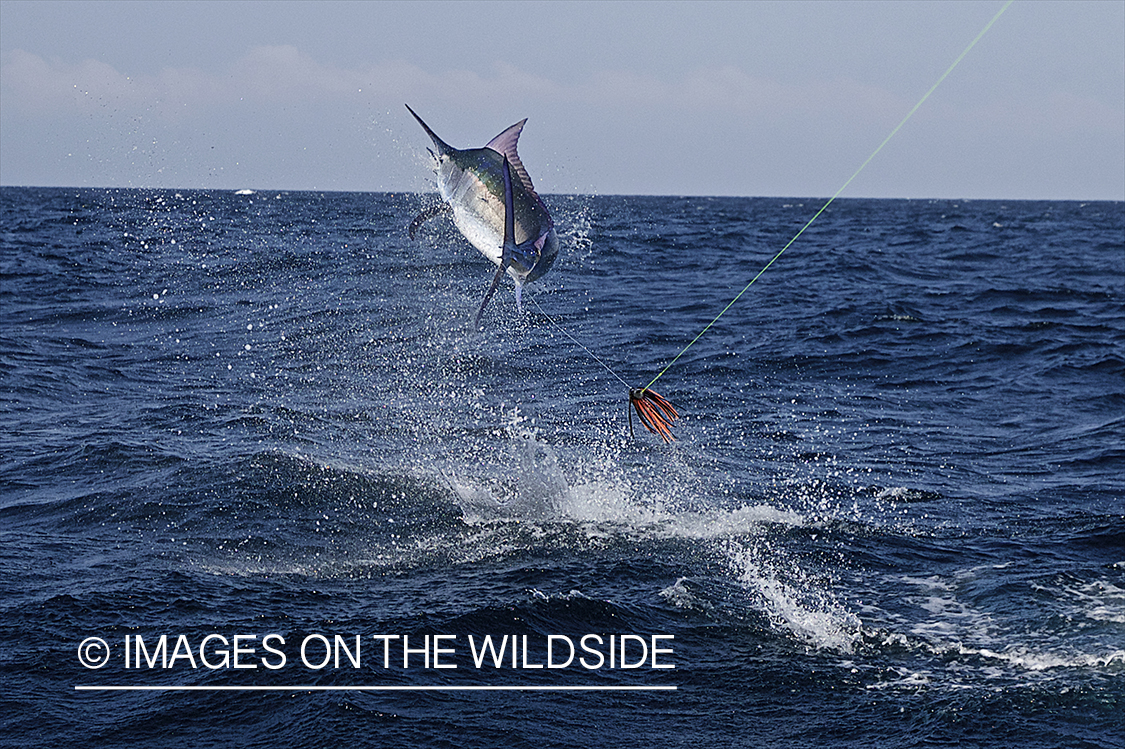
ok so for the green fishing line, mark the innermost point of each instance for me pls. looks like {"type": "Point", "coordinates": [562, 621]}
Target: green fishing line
{"type": "Point", "coordinates": [837, 194]}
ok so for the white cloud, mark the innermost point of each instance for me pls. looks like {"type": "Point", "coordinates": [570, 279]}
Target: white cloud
{"type": "Point", "coordinates": [609, 114]}
{"type": "Point", "coordinates": [284, 74]}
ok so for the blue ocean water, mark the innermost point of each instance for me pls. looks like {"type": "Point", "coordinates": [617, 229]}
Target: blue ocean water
{"type": "Point", "coordinates": [894, 515]}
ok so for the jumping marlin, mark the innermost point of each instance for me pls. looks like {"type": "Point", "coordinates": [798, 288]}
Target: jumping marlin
{"type": "Point", "coordinates": [489, 193]}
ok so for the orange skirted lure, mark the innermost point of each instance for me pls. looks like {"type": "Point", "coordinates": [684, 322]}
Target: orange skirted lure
{"type": "Point", "coordinates": [656, 413]}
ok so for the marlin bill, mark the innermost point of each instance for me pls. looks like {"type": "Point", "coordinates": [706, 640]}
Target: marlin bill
{"type": "Point", "coordinates": [494, 206]}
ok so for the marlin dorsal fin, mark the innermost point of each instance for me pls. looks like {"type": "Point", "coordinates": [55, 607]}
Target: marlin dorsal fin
{"type": "Point", "coordinates": [505, 145]}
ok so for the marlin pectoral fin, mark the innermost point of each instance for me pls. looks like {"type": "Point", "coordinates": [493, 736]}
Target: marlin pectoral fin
{"type": "Point", "coordinates": [509, 239]}
{"type": "Point", "coordinates": [509, 214]}
{"type": "Point", "coordinates": [426, 215]}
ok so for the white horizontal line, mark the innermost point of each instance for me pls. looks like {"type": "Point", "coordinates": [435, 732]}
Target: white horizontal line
{"type": "Point", "coordinates": [471, 688]}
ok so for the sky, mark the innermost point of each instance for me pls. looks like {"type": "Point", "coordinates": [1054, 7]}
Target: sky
{"type": "Point", "coordinates": [662, 98]}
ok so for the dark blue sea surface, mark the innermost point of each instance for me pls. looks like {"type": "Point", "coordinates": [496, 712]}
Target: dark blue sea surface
{"type": "Point", "coordinates": [894, 515]}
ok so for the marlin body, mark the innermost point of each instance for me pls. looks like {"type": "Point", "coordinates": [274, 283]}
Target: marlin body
{"type": "Point", "coordinates": [495, 207]}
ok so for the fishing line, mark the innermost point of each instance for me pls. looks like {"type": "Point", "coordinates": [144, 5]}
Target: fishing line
{"type": "Point", "coordinates": [656, 413]}
{"type": "Point", "coordinates": [837, 193]}
{"type": "Point", "coordinates": [577, 343]}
